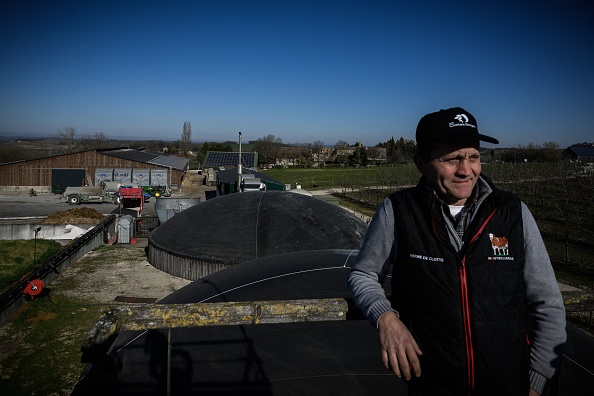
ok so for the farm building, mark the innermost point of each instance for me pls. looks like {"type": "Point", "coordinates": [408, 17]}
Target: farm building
{"type": "Point", "coordinates": [583, 152]}
{"type": "Point", "coordinates": [91, 167]}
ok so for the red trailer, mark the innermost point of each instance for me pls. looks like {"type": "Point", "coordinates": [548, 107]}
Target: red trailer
{"type": "Point", "coordinates": [131, 197]}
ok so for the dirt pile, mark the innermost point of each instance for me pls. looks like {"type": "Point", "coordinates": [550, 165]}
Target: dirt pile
{"type": "Point", "coordinates": [75, 216]}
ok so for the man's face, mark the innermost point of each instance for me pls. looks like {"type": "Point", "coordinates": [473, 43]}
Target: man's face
{"type": "Point", "coordinates": [452, 170]}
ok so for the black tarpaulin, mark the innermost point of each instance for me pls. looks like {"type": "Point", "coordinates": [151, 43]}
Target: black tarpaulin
{"type": "Point", "coordinates": [245, 226]}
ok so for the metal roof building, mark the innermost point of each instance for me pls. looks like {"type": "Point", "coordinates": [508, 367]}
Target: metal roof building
{"type": "Point", "coordinates": [165, 161]}
{"type": "Point", "coordinates": [76, 169]}
{"type": "Point", "coordinates": [580, 152]}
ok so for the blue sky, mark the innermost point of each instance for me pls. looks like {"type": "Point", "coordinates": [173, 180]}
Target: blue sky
{"type": "Point", "coordinates": [300, 70]}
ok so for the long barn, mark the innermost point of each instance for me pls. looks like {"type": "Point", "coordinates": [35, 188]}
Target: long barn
{"type": "Point", "coordinates": [90, 167]}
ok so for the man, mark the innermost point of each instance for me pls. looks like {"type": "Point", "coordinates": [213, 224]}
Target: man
{"type": "Point", "coordinates": [475, 306]}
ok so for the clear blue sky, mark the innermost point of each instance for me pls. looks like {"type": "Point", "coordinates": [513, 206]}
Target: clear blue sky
{"type": "Point", "coordinates": [300, 70]}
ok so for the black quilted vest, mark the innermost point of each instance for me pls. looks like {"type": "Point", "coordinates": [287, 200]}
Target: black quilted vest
{"type": "Point", "coordinates": [465, 309]}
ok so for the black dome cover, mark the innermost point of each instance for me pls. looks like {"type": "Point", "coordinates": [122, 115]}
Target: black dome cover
{"type": "Point", "coordinates": [247, 226]}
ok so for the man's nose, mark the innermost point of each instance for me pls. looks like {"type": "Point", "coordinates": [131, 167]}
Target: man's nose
{"type": "Point", "coordinates": [464, 167]}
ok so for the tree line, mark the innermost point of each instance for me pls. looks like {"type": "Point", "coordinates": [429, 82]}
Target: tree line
{"type": "Point", "coordinates": [268, 147]}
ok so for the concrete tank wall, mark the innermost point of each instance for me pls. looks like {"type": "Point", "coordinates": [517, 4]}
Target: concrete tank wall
{"type": "Point", "coordinates": [59, 232]}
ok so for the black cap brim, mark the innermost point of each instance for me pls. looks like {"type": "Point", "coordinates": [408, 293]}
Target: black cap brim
{"type": "Point", "coordinates": [488, 139]}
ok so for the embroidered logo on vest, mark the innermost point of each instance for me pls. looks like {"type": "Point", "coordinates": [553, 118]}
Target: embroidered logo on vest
{"type": "Point", "coordinates": [500, 245]}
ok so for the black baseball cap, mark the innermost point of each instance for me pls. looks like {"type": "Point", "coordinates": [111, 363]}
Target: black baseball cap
{"type": "Point", "coordinates": [454, 125]}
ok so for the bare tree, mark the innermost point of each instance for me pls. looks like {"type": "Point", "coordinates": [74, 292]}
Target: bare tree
{"type": "Point", "coordinates": [268, 147]}
{"type": "Point", "coordinates": [100, 139]}
{"type": "Point", "coordinates": [551, 151]}
{"type": "Point", "coordinates": [565, 202]}
{"type": "Point", "coordinates": [186, 138]}
{"type": "Point", "coordinates": [317, 147]}
{"type": "Point", "coordinates": [90, 142]}
{"type": "Point", "coordinates": [341, 145]}
{"type": "Point", "coordinates": [67, 136]}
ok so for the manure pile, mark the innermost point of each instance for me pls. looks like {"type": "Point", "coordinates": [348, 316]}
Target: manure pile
{"type": "Point", "coordinates": [75, 216]}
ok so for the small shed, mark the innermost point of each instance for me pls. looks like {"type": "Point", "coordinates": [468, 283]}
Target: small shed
{"type": "Point", "coordinates": [125, 229]}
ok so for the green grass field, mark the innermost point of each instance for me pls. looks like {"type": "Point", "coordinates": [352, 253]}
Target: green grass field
{"type": "Point", "coordinates": [347, 178]}
{"type": "Point", "coordinates": [40, 348]}
{"type": "Point", "coordinates": [18, 258]}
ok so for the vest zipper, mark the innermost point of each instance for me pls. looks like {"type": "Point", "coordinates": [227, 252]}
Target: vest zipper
{"type": "Point", "coordinates": [467, 325]}
{"type": "Point", "coordinates": [465, 301]}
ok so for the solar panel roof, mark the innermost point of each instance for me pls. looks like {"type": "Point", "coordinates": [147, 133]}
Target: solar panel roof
{"type": "Point", "coordinates": [215, 159]}
{"type": "Point", "coordinates": [167, 161]}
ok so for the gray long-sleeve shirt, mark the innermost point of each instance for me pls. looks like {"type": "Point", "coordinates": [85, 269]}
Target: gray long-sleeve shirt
{"type": "Point", "coordinates": [543, 297]}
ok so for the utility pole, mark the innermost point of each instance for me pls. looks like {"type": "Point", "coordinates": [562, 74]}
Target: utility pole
{"type": "Point", "coordinates": [239, 167]}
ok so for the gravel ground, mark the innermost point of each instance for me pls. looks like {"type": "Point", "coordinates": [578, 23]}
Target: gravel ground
{"type": "Point", "coordinates": [116, 271]}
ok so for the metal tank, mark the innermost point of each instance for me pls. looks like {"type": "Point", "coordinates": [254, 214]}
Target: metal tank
{"type": "Point", "coordinates": [166, 208]}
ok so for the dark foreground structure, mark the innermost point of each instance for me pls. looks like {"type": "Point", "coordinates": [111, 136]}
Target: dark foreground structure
{"type": "Point", "coordinates": [323, 358]}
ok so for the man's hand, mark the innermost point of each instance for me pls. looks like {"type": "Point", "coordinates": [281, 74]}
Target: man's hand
{"type": "Point", "coordinates": [533, 393]}
{"type": "Point", "coordinates": [398, 347]}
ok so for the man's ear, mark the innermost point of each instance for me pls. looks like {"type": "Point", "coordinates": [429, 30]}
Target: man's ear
{"type": "Point", "coordinates": [419, 163]}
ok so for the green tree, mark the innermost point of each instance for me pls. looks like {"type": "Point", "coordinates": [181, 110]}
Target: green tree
{"type": "Point", "coordinates": [399, 151]}
{"type": "Point", "coordinates": [359, 157]}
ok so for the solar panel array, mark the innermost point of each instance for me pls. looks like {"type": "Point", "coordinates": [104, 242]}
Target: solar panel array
{"type": "Point", "coordinates": [215, 159]}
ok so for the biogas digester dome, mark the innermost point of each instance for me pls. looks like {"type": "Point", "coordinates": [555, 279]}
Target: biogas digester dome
{"type": "Point", "coordinates": [235, 228]}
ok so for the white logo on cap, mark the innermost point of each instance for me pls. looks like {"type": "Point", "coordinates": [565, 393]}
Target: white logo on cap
{"type": "Point", "coordinates": [462, 118]}
{"type": "Point", "coordinates": [462, 121]}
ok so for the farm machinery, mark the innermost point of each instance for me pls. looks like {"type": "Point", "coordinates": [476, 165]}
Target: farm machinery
{"type": "Point", "coordinates": [157, 191]}
{"type": "Point", "coordinates": [126, 196]}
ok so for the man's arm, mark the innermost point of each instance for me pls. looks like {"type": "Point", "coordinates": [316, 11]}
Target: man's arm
{"type": "Point", "coordinates": [398, 348]}
{"type": "Point", "coordinates": [373, 263]}
{"type": "Point", "coordinates": [545, 304]}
